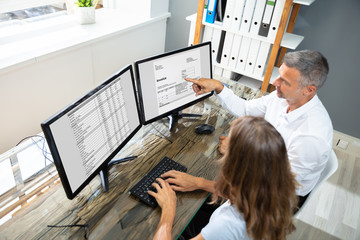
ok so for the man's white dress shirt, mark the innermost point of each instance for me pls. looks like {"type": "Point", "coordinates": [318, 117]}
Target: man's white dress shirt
{"type": "Point", "coordinates": [307, 131]}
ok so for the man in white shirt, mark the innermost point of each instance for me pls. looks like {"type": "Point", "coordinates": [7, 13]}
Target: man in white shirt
{"type": "Point", "coordinates": [294, 109]}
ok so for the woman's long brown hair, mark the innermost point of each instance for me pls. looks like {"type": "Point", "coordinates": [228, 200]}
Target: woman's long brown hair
{"type": "Point", "coordinates": [256, 178]}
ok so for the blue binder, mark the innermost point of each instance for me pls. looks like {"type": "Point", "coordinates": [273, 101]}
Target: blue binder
{"type": "Point", "coordinates": [211, 11]}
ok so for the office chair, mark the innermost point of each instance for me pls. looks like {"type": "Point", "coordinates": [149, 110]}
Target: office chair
{"type": "Point", "coordinates": [330, 168]}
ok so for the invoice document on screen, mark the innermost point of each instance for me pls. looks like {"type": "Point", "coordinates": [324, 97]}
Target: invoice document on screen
{"type": "Point", "coordinates": [171, 88]}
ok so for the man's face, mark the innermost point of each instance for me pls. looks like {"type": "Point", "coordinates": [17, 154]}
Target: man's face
{"type": "Point", "coordinates": [287, 85]}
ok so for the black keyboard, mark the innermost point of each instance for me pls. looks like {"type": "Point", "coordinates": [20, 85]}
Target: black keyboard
{"type": "Point", "coordinates": [141, 188]}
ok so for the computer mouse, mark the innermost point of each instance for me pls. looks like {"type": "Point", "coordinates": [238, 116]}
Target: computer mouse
{"type": "Point", "coordinates": [204, 129]}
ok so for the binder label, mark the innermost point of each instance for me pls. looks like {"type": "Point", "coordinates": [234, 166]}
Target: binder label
{"type": "Point", "coordinates": [268, 11]}
{"type": "Point", "coordinates": [211, 5]}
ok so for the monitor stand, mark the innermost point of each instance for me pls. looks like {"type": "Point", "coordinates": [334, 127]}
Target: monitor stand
{"type": "Point", "coordinates": [104, 174]}
{"type": "Point", "coordinates": [175, 116]}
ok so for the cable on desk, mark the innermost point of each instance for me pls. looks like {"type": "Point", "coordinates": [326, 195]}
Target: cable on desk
{"type": "Point", "coordinates": [161, 133]}
{"type": "Point", "coordinates": [43, 151]}
{"type": "Point", "coordinates": [70, 212]}
{"type": "Point", "coordinates": [43, 148]}
{"type": "Point", "coordinates": [85, 226]}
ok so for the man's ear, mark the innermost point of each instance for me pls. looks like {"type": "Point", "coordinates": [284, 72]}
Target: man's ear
{"type": "Point", "coordinates": [309, 90]}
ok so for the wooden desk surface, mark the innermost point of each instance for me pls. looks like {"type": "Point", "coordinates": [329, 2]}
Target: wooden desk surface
{"type": "Point", "coordinates": [117, 215]}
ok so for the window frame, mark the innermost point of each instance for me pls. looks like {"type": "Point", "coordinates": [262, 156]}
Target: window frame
{"type": "Point", "coordinates": [15, 5]}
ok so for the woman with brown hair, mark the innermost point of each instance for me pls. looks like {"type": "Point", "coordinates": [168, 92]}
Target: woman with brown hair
{"type": "Point", "coordinates": [255, 183]}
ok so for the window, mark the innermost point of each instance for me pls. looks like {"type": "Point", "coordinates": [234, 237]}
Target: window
{"type": "Point", "coordinates": [29, 13]}
{"type": "Point", "coordinates": [7, 180]}
{"type": "Point", "coordinates": [16, 5]}
{"type": "Point", "coordinates": [33, 159]}
{"type": "Point", "coordinates": [25, 172]}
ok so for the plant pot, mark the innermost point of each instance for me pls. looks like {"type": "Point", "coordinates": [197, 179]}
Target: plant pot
{"type": "Point", "coordinates": [86, 15]}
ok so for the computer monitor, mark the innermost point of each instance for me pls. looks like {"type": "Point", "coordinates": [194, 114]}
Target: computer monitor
{"type": "Point", "coordinates": [85, 136]}
{"type": "Point", "coordinates": [163, 92]}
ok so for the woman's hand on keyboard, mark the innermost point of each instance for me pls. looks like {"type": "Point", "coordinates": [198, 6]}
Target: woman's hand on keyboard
{"type": "Point", "coordinates": [166, 199]}
{"type": "Point", "coordinates": [164, 195]}
{"type": "Point", "coordinates": [184, 182]}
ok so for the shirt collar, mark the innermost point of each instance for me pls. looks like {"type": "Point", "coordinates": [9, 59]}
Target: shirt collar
{"type": "Point", "coordinates": [297, 113]}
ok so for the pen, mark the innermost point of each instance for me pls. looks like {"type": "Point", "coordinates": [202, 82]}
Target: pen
{"type": "Point", "coordinates": [121, 160]}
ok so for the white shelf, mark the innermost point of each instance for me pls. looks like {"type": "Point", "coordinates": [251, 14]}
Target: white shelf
{"type": "Point", "coordinates": [289, 40]}
{"type": "Point", "coordinates": [274, 74]}
{"type": "Point", "coordinates": [304, 2]}
{"type": "Point", "coordinates": [250, 82]}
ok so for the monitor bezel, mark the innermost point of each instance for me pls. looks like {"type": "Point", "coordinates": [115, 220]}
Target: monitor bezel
{"type": "Point", "coordinates": [178, 109]}
{"type": "Point", "coordinates": [52, 145]}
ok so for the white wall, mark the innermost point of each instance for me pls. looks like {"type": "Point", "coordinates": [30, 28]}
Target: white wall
{"type": "Point", "coordinates": [148, 8]}
{"type": "Point", "coordinates": [177, 33]}
{"type": "Point", "coordinates": [33, 92]}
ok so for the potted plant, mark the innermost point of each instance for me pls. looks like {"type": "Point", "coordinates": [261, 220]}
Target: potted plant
{"type": "Point", "coordinates": [86, 11]}
{"type": "Point", "coordinates": [85, 3]}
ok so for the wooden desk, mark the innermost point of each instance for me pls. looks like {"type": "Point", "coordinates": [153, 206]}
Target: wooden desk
{"type": "Point", "coordinates": [117, 215]}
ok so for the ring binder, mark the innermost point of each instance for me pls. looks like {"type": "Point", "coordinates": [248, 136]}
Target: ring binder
{"type": "Point", "coordinates": [211, 11]}
{"type": "Point", "coordinates": [251, 59]}
{"type": "Point", "coordinates": [275, 20]}
{"type": "Point", "coordinates": [262, 59]}
{"type": "Point", "coordinates": [235, 51]}
{"type": "Point", "coordinates": [229, 11]}
{"type": "Point", "coordinates": [247, 16]}
{"type": "Point", "coordinates": [258, 15]}
{"type": "Point", "coordinates": [227, 49]}
{"type": "Point", "coordinates": [237, 15]}
{"type": "Point", "coordinates": [243, 54]}
{"type": "Point", "coordinates": [266, 18]}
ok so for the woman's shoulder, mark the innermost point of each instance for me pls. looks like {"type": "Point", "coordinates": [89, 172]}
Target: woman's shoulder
{"type": "Point", "coordinates": [229, 222]}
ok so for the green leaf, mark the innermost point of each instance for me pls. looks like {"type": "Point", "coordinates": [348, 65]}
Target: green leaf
{"type": "Point", "coordinates": [84, 3]}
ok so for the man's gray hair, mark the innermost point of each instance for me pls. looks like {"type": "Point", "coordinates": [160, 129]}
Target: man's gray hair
{"type": "Point", "coordinates": [312, 65]}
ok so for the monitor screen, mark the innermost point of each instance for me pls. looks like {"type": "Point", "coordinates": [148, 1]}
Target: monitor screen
{"type": "Point", "coordinates": [88, 133]}
{"type": "Point", "coordinates": [161, 85]}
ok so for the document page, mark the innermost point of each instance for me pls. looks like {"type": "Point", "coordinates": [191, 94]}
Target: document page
{"type": "Point", "coordinates": [171, 88]}
{"type": "Point", "coordinates": [99, 126]}
{"type": "Point", "coordinates": [88, 134]}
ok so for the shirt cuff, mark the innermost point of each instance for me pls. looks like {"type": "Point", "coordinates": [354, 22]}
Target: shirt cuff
{"type": "Point", "coordinates": [225, 92]}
